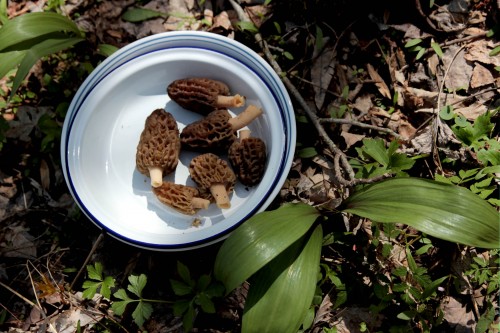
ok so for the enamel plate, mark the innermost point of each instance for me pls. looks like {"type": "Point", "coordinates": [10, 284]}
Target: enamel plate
{"type": "Point", "coordinates": [107, 115]}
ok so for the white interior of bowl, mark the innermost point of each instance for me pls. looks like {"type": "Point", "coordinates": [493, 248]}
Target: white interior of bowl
{"type": "Point", "coordinates": [103, 132]}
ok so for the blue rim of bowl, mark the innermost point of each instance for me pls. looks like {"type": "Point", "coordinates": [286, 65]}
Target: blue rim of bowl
{"type": "Point", "coordinates": [182, 39]}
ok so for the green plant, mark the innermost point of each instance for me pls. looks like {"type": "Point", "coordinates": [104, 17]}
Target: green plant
{"type": "Point", "coordinates": [194, 294]}
{"type": "Point", "coordinates": [374, 159]}
{"type": "Point", "coordinates": [416, 45]}
{"type": "Point", "coordinates": [121, 299]}
{"type": "Point", "coordinates": [29, 37]}
{"type": "Point", "coordinates": [281, 249]}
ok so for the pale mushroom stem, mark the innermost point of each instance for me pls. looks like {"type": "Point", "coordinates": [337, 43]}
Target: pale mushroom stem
{"type": "Point", "coordinates": [219, 192]}
{"type": "Point", "coordinates": [200, 203]}
{"type": "Point", "coordinates": [245, 134]}
{"type": "Point", "coordinates": [245, 118]}
{"type": "Point", "coordinates": [156, 175]}
{"type": "Point", "coordinates": [235, 101]}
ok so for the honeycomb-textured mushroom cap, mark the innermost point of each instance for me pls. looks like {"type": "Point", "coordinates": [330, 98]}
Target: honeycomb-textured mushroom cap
{"type": "Point", "coordinates": [159, 146]}
{"type": "Point", "coordinates": [248, 158]}
{"type": "Point", "coordinates": [211, 133]}
{"type": "Point", "coordinates": [203, 95]}
{"type": "Point", "coordinates": [183, 198]}
{"type": "Point", "coordinates": [213, 174]}
{"type": "Point", "coordinates": [218, 130]}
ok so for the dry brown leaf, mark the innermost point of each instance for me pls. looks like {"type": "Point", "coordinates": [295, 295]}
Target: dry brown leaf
{"type": "Point", "coordinates": [460, 71]}
{"type": "Point", "coordinates": [479, 51]}
{"type": "Point", "coordinates": [322, 71]}
{"type": "Point", "coordinates": [351, 139]}
{"type": "Point", "coordinates": [458, 315]}
{"type": "Point", "coordinates": [481, 76]}
{"type": "Point", "coordinates": [379, 82]}
{"type": "Point", "coordinates": [18, 243]}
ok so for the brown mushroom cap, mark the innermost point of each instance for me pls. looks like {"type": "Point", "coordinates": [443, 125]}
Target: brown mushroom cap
{"type": "Point", "coordinates": [248, 158]}
{"type": "Point", "coordinates": [203, 95]}
{"type": "Point", "coordinates": [185, 199]}
{"type": "Point", "coordinates": [213, 174]}
{"type": "Point", "coordinates": [217, 131]}
{"type": "Point", "coordinates": [159, 146]}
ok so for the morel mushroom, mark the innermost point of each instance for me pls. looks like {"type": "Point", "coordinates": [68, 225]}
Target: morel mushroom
{"type": "Point", "coordinates": [159, 146]}
{"type": "Point", "coordinates": [203, 95]}
{"type": "Point", "coordinates": [183, 198]}
{"type": "Point", "coordinates": [248, 158]}
{"type": "Point", "coordinates": [213, 174]}
{"type": "Point", "coordinates": [217, 131]}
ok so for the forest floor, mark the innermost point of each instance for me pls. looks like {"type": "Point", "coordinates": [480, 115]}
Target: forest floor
{"type": "Point", "coordinates": [384, 67]}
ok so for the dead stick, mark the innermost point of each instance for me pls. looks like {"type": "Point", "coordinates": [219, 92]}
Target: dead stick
{"type": "Point", "coordinates": [94, 248]}
{"type": "Point", "coordinates": [360, 124]}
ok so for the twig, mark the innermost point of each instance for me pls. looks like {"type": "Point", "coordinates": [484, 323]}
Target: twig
{"type": "Point", "coordinates": [360, 124]}
{"type": "Point", "coordinates": [94, 248]}
{"type": "Point", "coordinates": [437, 120]}
{"type": "Point", "coordinates": [340, 159]}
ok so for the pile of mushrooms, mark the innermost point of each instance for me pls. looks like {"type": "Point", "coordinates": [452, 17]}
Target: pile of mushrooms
{"type": "Point", "coordinates": [216, 137]}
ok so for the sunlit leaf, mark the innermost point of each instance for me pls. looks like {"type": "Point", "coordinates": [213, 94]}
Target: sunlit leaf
{"type": "Point", "coordinates": [137, 284]}
{"type": "Point", "coordinates": [34, 25]}
{"type": "Point", "coordinates": [9, 61]}
{"type": "Point", "coordinates": [413, 42]}
{"type": "Point", "coordinates": [281, 293]}
{"type": "Point", "coordinates": [42, 49]}
{"type": "Point", "coordinates": [445, 211]}
{"type": "Point", "coordinates": [141, 14]}
{"type": "Point", "coordinates": [260, 239]}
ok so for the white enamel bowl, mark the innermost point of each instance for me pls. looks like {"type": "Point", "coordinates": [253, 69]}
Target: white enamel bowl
{"type": "Point", "coordinates": [107, 115]}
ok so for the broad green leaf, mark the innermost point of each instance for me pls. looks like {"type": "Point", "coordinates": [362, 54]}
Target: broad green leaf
{"type": "Point", "coordinates": [106, 49]}
{"type": "Point", "coordinates": [260, 239]}
{"type": "Point", "coordinates": [33, 25]}
{"type": "Point", "coordinates": [495, 51]}
{"type": "Point", "coordinates": [90, 289]}
{"type": "Point", "coordinates": [42, 49]}
{"type": "Point", "coordinates": [95, 271]}
{"type": "Point", "coordinates": [107, 284]}
{"type": "Point", "coordinates": [437, 48]}
{"type": "Point", "coordinates": [281, 293]}
{"type": "Point", "coordinates": [446, 112]}
{"type": "Point", "coordinates": [441, 210]}
{"type": "Point", "coordinates": [375, 148]}
{"type": "Point", "coordinates": [122, 294]}
{"type": "Point", "coordinates": [413, 42]}
{"type": "Point", "coordinates": [119, 307]}
{"type": "Point", "coordinates": [205, 302]}
{"type": "Point", "coordinates": [142, 313]}
{"type": "Point", "coordinates": [183, 272]}
{"type": "Point", "coordinates": [430, 289]}
{"type": "Point", "coordinates": [137, 284]}
{"type": "Point", "coordinates": [141, 14]}
{"type": "Point", "coordinates": [307, 152]}
{"type": "Point", "coordinates": [180, 288]}
{"type": "Point", "coordinates": [9, 61]}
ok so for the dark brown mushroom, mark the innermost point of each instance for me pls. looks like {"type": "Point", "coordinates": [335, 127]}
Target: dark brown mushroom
{"type": "Point", "coordinates": [248, 158]}
{"type": "Point", "coordinates": [217, 131]}
{"type": "Point", "coordinates": [159, 146]}
{"type": "Point", "coordinates": [203, 95]}
{"type": "Point", "coordinates": [183, 198]}
{"type": "Point", "coordinates": [214, 175]}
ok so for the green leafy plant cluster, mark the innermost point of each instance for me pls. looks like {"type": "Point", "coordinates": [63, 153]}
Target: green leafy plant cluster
{"type": "Point", "coordinates": [193, 294]}
{"type": "Point", "coordinates": [281, 249]}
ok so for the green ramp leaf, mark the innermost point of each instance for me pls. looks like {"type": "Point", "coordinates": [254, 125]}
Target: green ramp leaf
{"type": "Point", "coordinates": [34, 25]}
{"type": "Point", "coordinates": [281, 293]}
{"type": "Point", "coordinates": [42, 49]}
{"type": "Point", "coordinates": [441, 210]}
{"type": "Point", "coordinates": [260, 239]}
